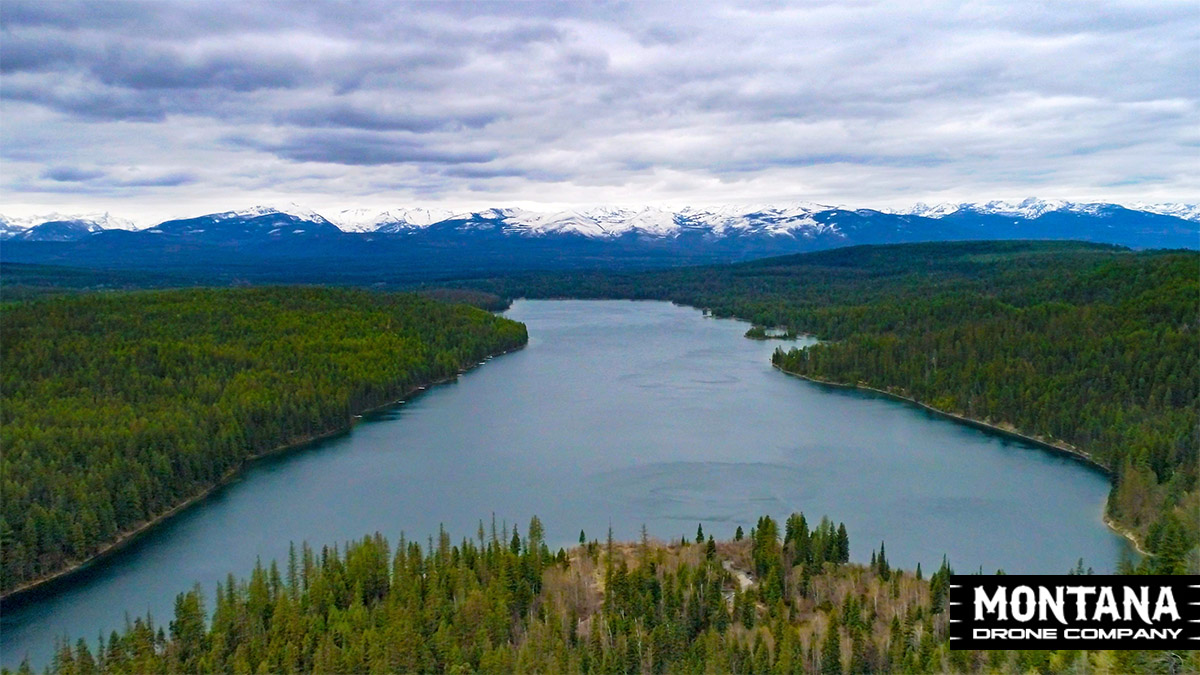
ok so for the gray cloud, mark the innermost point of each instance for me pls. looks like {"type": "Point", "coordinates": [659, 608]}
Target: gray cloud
{"type": "Point", "coordinates": [168, 68]}
{"type": "Point", "coordinates": [70, 174]}
{"type": "Point", "coordinates": [360, 148]}
{"type": "Point", "coordinates": [380, 117]}
{"type": "Point", "coordinates": [169, 179]}
{"type": "Point", "coordinates": [96, 179]}
{"type": "Point", "coordinates": [347, 103]}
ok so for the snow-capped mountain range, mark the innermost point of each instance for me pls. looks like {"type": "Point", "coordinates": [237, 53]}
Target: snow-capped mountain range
{"type": "Point", "coordinates": [290, 242]}
{"type": "Point", "coordinates": [791, 219]}
{"type": "Point", "coordinates": [1032, 208]}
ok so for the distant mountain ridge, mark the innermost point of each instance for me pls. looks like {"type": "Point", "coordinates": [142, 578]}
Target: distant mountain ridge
{"type": "Point", "coordinates": [795, 218]}
{"type": "Point", "coordinates": [60, 227]}
{"type": "Point", "coordinates": [299, 243]}
{"type": "Point", "coordinates": [1035, 208]}
{"type": "Point", "coordinates": [254, 224]}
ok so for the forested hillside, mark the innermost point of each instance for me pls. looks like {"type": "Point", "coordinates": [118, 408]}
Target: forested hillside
{"type": "Point", "coordinates": [1086, 345]}
{"type": "Point", "coordinates": [782, 600]}
{"type": "Point", "coordinates": [118, 407]}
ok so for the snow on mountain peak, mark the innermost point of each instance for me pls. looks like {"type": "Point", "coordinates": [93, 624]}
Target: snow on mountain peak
{"type": "Point", "coordinates": [1185, 211]}
{"type": "Point", "coordinates": [562, 222]}
{"type": "Point", "coordinates": [288, 209]}
{"type": "Point", "coordinates": [655, 222]}
{"type": "Point", "coordinates": [388, 220]}
{"type": "Point", "coordinates": [1029, 208]}
{"type": "Point", "coordinates": [106, 221]}
{"type": "Point", "coordinates": [1026, 208]}
{"type": "Point", "coordinates": [94, 221]}
{"type": "Point", "coordinates": [785, 218]}
{"type": "Point", "coordinates": [603, 221]}
{"type": "Point", "coordinates": [930, 211]}
{"type": "Point", "coordinates": [359, 220]}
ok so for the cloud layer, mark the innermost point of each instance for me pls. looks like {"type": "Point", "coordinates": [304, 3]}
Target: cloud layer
{"type": "Point", "coordinates": [158, 107]}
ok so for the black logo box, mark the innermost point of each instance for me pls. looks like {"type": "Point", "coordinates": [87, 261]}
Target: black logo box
{"type": "Point", "coordinates": [976, 621]}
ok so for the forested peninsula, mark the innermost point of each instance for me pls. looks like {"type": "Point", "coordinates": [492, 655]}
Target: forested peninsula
{"type": "Point", "coordinates": [1087, 346]}
{"type": "Point", "coordinates": [117, 408]}
{"type": "Point", "coordinates": [782, 599]}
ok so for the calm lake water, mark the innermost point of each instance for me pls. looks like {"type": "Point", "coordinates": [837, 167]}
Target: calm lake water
{"type": "Point", "coordinates": [621, 414]}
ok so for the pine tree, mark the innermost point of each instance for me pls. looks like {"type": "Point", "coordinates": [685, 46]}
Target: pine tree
{"type": "Point", "coordinates": [831, 650]}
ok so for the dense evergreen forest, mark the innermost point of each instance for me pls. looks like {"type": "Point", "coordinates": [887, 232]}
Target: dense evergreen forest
{"type": "Point", "coordinates": [19, 281]}
{"type": "Point", "coordinates": [23, 282]}
{"type": "Point", "coordinates": [1085, 345]}
{"type": "Point", "coordinates": [118, 407]}
{"type": "Point", "coordinates": [781, 600]}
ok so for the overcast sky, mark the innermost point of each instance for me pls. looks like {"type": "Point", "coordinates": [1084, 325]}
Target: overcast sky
{"type": "Point", "coordinates": [160, 109]}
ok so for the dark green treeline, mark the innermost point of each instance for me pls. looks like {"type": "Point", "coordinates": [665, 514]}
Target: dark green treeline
{"type": "Point", "coordinates": [117, 407]}
{"type": "Point", "coordinates": [782, 600]}
{"type": "Point", "coordinates": [1091, 345]}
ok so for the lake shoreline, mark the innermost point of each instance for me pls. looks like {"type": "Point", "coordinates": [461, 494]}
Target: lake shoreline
{"type": "Point", "coordinates": [128, 537]}
{"type": "Point", "coordinates": [1058, 447]}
